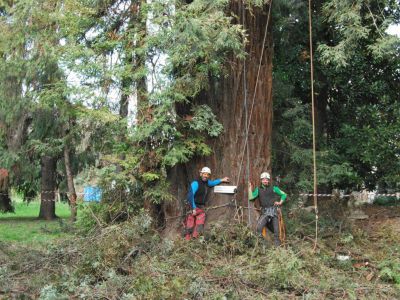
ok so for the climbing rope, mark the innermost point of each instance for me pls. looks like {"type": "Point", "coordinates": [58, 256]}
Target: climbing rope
{"type": "Point", "coordinates": [246, 119]}
{"type": "Point", "coordinates": [254, 94]}
{"type": "Point", "coordinates": [282, 227]}
{"type": "Point", "coordinates": [238, 216]}
{"type": "Point", "coordinates": [313, 125]}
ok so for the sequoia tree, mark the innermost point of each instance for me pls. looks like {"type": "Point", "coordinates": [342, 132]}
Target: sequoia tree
{"type": "Point", "coordinates": [248, 81]}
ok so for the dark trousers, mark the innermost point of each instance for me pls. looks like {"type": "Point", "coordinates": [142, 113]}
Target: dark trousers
{"type": "Point", "coordinates": [272, 223]}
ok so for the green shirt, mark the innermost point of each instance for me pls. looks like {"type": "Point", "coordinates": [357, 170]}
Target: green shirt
{"type": "Point", "coordinates": [254, 194]}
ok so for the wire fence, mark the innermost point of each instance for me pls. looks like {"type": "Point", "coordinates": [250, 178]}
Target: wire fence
{"type": "Point", "coordinates": [366, 196]}
{"type": "Point", "coordinates": [349, 195]}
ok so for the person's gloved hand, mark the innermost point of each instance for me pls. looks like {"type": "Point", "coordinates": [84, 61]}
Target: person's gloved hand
{"type": "Point", "coordinates": [225, 179]}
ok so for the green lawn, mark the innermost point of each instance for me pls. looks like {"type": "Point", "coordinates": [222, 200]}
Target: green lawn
{"type": "Point", "coordinates": [23, 226]}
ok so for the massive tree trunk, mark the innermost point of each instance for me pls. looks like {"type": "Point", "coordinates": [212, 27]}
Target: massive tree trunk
{"type": "Point", "coordinates": [226, 98]}
{"type": "Point", "coordinates": [48, 186]}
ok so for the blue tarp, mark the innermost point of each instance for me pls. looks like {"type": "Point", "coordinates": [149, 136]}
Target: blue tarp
{"type": "Point", "coordinates": [91, 193]}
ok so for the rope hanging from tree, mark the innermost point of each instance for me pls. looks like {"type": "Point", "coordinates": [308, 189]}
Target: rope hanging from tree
{"type": "Point", "coordinates": [248, 116]}
{"type": "Point", "coordinates": [246, 119]}
{"type": "Point", "coordinates": [254, 95]}
{"type": "Point", "coordinates": [313, 125]}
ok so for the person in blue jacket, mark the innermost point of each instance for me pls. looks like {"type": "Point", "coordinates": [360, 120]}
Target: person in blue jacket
{"type": "Point", "coordinates": [199, 191]}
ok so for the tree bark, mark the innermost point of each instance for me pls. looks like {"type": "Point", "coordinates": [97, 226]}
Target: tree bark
{"type": "Point", "coordinates": [226, 98]}
{"type": "Point", "coordinates": [70, 183]}
{"type": "Point", "coordinates": [5, 201]}
{"type": "Point", "coordinates": [48, 186]}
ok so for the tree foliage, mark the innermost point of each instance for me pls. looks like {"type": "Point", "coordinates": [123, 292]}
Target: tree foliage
{"type": "Point", "coordinates": [356, 92]}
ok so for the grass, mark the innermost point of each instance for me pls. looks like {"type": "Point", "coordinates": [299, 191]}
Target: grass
{"type": "Point", "coordinates": [23, 225]}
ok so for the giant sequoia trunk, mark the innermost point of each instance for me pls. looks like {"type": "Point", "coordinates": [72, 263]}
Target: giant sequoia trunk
{"type": "Point", "coordinates": [48, 186]}
{"type": "Point", "coordinates": [226, 98]}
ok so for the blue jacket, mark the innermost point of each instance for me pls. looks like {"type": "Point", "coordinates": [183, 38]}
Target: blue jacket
{"type": "Point", "coordinates": [193, 188]}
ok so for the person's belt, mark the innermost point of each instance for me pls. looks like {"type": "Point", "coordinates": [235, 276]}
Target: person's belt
{"type": "Point", "coordinates": [270, 211]}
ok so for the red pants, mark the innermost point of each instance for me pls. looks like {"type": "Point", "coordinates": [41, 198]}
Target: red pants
{"type": "Point", "coordinates": [194, 224]}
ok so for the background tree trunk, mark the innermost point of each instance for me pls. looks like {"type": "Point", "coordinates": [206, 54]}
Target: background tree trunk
{"type": "Point", "coordinates": [48, 186]}
{"type": "Point", "coordinates": [226, 98]}
{"type": "Point", "coordinates": [5, 201]}
{"type": "Point", "coordinates": [70, 182]}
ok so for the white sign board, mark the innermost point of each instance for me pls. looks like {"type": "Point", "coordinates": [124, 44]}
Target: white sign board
{"type": "Point", "coordinates": [225, 189]}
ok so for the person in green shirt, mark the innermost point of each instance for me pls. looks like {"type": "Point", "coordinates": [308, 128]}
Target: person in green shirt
{"type": "Point", "coordinates": [270, 197]}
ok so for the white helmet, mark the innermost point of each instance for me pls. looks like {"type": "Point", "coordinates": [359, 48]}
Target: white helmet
{"type": "Point", "coordinates": [265, 175]}
{"type": "Point", "coordinates": [205, 170]}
